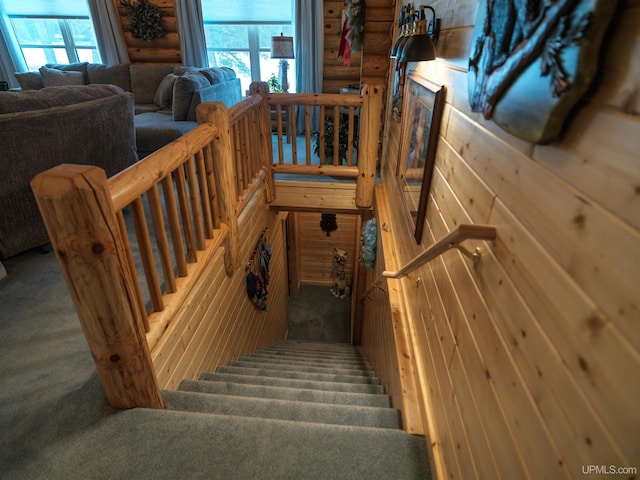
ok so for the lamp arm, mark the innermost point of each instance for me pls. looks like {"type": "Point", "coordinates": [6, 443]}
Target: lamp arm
{"type": "Point", "coordinates": [433, 27]}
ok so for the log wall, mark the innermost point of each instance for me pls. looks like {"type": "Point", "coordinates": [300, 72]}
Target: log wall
{"type": "Point", "coordinates": [218, 322]}
{"type": "Point", "coordinates": [163, 50]}
{"type": "Point", "coordinates": [336, 74]}
{"type": "Point", "coordinates": [528, 364]}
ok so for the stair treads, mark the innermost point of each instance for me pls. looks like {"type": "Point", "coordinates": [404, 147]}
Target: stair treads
{"type": "Point", "coordinates": [243, 362]}
{"type": "Point", "coordinates": [294, 383]}
{"type": "Point", "coordinates": [283, 393]}
{"type": "Point", "coordinates": [320, 377]}
{"type": "Point", "coordinates": [356, 363]}
{"type": "Point", "coordinates": [282, 409]}
{"type": "Point", "coordinates": [310, 352]}
{"type": "Point", "coordinates": [186, 445]}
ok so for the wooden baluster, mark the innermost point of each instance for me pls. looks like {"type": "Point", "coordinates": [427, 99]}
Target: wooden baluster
{"type": "Point", "coordinates": [132, 271]}
{"type": "Point", "coordinates": [204, 194]}
{"type": "Point", "coordinates": [196, 205]}
{"type": "Point", "coordinates": [146, 253]}
{"type": "Point", "coordinates": [216, 113]}
{"type": "Point", "coordinates": [157, 217]}
{"type": "Point", "coordinates": [174, 225]}
{"type": "Point", "coordinates": [76, 207]}
{"type": "Point", "coordinates": [185, 213]}
{"type": "Point", "coordinates": [279, 129]}
{"type": "Point", "coordinates": [291, 118]}
{"type": "Point", "coordinates": [322, 135]}
{"type": "Point", "coordinates": [307, 132]}
{"type": "Point", "coordinates": [351, 130]}
{"type": "Point", "coordinates": [211, 184]}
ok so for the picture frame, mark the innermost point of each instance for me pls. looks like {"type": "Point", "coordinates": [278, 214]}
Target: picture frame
{"type": "Point", "coordinates": [423, 104]}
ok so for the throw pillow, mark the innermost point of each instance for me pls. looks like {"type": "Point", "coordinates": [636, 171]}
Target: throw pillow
{"type": "Point", "coordinates": [29, 80]}
{"type": "Point", "coordinates": [72, 67]}
{"type": "Point", "coordinates": [183, 91]}
{"type": "Point", "coordinates": [52, 77]}
{"type": "Point", "coordinates": [110, 75]}
{"type": "Point", "coordinates": [164, 94]}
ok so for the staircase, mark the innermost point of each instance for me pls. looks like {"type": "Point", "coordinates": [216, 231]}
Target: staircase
{"type": "Point", "coordinates": [294, 410]}
{"type": "Point", "coordinates": [302, 410]}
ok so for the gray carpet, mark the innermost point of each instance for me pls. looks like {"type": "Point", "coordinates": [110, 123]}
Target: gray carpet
{"type": "Point", "coordinates": [56, 423]}
{"type": "Point", "coordinates": [315, 314]}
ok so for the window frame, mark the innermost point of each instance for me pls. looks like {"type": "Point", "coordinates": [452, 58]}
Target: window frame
{"type": "Point", "coordinates": [69, 44]}
{"type": "Point", "coordinates": [254, 50]}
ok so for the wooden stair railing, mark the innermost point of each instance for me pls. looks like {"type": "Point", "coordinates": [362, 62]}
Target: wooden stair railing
{"type": "Point", "coordinates": [369, 103]}
{"type": "Point", "coordinates": [452, 240]}
{"type": "Point", "coordinates": [84, 214]}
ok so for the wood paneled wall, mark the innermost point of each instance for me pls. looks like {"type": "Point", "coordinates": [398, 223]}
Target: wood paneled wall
{"type": "Point", "coordinates": [218, 322]}
{"type": "Point", "coordinates": [313, 261]}
{"type": "Point", "coordinates": [164, 50]}
{"type": "Point", "coordinates": [529, 364]}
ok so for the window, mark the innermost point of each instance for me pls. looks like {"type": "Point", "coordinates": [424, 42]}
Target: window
{"type": "Point", "coordinates": [240, 37]}
{"type": "Point", "coordinates": [52, 31]}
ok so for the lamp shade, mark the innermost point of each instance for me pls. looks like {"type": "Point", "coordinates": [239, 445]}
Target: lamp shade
{"type": "Point", "coordinates": [282, 47]}
{"type": "Point", "coordinates": [418, 48]}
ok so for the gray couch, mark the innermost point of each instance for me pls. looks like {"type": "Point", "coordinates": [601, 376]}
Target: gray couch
{"type": "Point", "coordinates": [83, 124]}
{"type": "Point", "coordinates": [165, 96]}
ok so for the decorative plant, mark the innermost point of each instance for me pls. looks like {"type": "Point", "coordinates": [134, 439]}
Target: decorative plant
{"type": "Point", "coordinates": [274, 84]}
{"type": "Point", "coordinates": [329, 135]}
{"type": "Point", "coordinates": [144, 19]}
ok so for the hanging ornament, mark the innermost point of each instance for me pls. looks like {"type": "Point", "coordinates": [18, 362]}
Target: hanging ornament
{"type": "Point", "coordinates": [328, 223]}
{"type": "Point", "coordinates": [368, 244]}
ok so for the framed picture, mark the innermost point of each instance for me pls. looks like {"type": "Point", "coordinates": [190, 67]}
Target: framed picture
{"type": "Point", "coordinates": [421, 114]}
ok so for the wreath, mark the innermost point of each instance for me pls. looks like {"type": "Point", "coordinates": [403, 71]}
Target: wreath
{"type": "Point", "coordinates": [144, 20]}
{"type": "Point", "coordinates": [355, 23]}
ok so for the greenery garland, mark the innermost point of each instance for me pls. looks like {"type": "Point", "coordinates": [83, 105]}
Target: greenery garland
{"type": "Point", "coordinates": [144, 20]}
{"type": "Point", "coordinates": [355, 22]}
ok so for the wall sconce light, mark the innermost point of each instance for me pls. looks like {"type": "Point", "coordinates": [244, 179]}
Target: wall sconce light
{"type": "Point", "coordinates": [282, 48]}
{"type": "Point", "coordinates": [420, 45]}
{"type": "Point", "coordinates": [415, 44]}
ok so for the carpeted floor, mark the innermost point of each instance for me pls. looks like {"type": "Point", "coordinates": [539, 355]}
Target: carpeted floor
{"type": "Point", "coordinates": [49, 388]}
{"type": "Point", "coordinates": [315, 314]}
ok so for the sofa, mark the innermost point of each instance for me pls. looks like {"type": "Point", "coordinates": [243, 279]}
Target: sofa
{"type": "Point", "coordinates": [39, 129]}
{"type": "Point", "coordinates": [165, 96]}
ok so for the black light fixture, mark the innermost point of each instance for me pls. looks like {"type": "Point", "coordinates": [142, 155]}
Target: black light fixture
{"type": "Point", "coordinates": [404, 24]}
{"type": "Point", "coordinates": [420, 46]}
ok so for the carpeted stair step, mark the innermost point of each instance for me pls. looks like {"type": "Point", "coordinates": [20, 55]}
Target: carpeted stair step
{"type": "Point", "coordinates": [358, 361]}
{"type": "Point", "coordinates": [293, 383]}
{"type": "Point", "coordinates": [314, 347]}
{"type": "Point", "coordinates": [282, 409]}
{"type": "Point", "coordinates": [195, 446]}
{"type": "Point", "coordinates": [345, 355]}
{"type": "Point", "coordinates": [320, 377]}
{"type": "Point", "coordinates": [313, 360]}
{"type": "Point", "coordinates": [283, 393]}
{"type": "Point", "coordinates": [296, 367]}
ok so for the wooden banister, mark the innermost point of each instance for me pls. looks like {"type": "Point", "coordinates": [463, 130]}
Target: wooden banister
{"type": "Point", "coordinates": [451, 240]}
{"type": "Point", "coordinates": [84, 231]}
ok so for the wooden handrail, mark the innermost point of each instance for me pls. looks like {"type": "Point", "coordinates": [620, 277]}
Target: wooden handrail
{"type": "Point", "coordinates": [451, 240]}
{"type": "Point", "coordinates": [332, 107]}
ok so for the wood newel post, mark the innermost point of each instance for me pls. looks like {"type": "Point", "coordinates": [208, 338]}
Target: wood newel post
{"type": "Point", "coordinates": [368, 145]}
{"type": "Point", "coordinates": [225, 178]}
{"type": "Point", "coordinates": [76, 206]}
{"type": "Point", "coordinates": [261, 88]}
